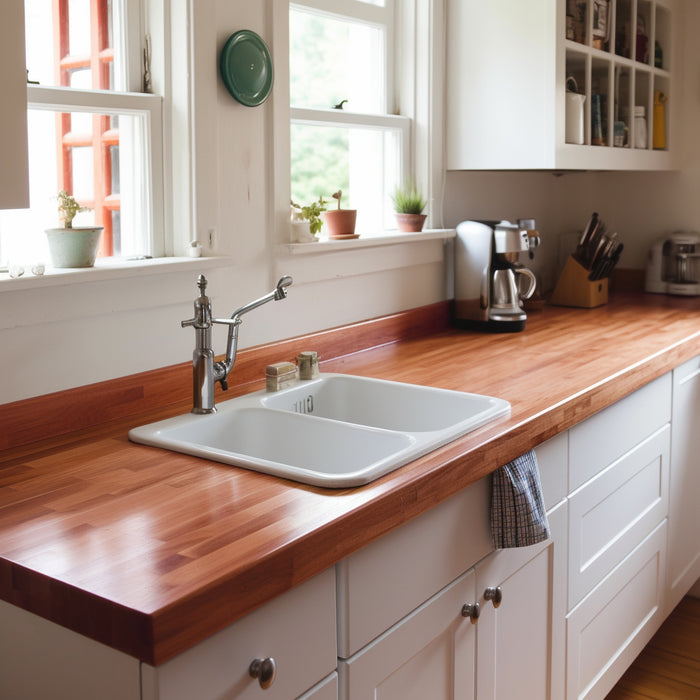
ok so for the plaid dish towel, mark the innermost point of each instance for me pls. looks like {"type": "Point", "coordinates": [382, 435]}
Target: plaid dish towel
{"type": "Point", "coordinates": [518, 517]}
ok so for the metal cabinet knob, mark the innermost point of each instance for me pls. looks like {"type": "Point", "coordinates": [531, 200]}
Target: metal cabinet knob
{"type": "Point", "coordinates": [471, 610]}
{"type": "Point", "coordinates": [264, 670]}
{"type": "Point", "coordinates": [494, 594]}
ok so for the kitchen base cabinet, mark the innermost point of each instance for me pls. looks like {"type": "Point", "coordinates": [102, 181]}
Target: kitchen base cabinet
{"type": "Point", "coordinates": [520, 631]}
{"type": "Point", "coordinates": [428, 654]}
{"type": "Point", "coordinates": [683, 521]}
{"type": "Point", "coordinates": [513, 648]}
{"type": "Point", "coordinates": [609, 628]}
{"type": "Point", "coordinates": [40, 659]}
{"type": "Point", "coordinates": [294, 633]}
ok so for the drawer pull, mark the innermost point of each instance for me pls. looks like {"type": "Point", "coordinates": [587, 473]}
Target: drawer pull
{"type": "Point", "coordinates": [471, 610]}
{"type": "Point", "coordinates": [494, 594]}
{"type": "Point", "coordinates": [264, 670]}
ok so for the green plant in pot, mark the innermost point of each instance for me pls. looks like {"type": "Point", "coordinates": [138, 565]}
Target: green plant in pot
{"type": "Point", "coordinates": [72, 246]}
{"type": "Point", "coordinates": [408, 206]}
{"type": "Point", "coordinates": [340, 223]}
{"type": "Point", "coordinates": [306, 220]}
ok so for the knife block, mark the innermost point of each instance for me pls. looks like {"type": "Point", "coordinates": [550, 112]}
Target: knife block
{"type": "Point", "coordinates": [575, 289]}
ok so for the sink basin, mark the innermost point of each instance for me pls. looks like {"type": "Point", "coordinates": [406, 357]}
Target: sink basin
{"type": "Point", "coordinates": [335, 431]}
{"type": "Point", "coordinates": [407, 408]}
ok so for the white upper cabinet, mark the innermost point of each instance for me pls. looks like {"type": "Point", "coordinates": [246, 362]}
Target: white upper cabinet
{"type": "Point", "coordinates": [14, 178]}
{"type": "Point", "coordinates": [508, 67]}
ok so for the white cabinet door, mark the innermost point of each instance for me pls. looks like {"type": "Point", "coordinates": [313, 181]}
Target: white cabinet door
{"type": "Point", "coordinates": [684, 523]}
{"type": "Point", "coordinates": [14, 179]}
{"type": "Point", "coordinates": [611, 625]}
{"type": "Point", "coordinates": [520, 640]}
{"type": "Point", "coordinates": [428, 654]}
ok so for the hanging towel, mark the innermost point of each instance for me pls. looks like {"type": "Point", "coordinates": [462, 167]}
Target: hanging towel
{"type": "Point", "coordinates": [518, 517]}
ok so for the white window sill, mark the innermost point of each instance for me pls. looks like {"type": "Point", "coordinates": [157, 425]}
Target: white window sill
{"type": "Point", "coordinates": [107, 269]}
{"type": "Point", "coordinates": [325, 260]}
{"type": "Point", "coordinates": [383, 239]}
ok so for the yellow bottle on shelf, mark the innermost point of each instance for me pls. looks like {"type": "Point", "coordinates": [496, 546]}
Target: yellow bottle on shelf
{"type": "Point", "coordinates": [659, 119]}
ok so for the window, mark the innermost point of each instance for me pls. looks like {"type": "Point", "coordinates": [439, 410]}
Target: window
{"type": "Point", "coordinates": [91, 132]}
{"type": "Point", "coordinates": [343, 134]}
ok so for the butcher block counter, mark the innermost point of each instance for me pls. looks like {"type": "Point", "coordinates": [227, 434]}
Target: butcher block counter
{"type": "Point", "coordinates": [150, 551]}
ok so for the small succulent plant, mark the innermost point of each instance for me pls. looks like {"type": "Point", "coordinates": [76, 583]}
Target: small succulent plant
{"type": "Point", "coordinates": [68, 208]}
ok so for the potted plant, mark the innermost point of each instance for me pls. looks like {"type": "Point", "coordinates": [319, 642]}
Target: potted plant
{"type": "Point", "coordinates": [408, 207]}
{"type": "Point", "coordinates": [306, 221]}
{"type": "Point", "coordinates": [340, 222]}
{"type": "Point", "coordinates": [72, 246]}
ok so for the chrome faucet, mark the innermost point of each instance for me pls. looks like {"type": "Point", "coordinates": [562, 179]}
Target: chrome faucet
{"type": "Point", "coordinates": [205, 371]}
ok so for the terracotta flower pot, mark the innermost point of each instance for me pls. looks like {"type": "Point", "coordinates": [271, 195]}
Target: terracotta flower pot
{"type": "Point", "coordinates": [73, 247]}
{"type": "Point", "coordinates": [410, 222]}
{"type": "Point", "coordinates": [340, 223]}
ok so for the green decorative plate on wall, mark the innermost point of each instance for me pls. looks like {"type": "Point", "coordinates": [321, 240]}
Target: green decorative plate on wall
{"type": "Point", "coordinates": [246, 67]}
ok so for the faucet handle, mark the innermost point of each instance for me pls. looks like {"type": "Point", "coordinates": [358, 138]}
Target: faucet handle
{"type": "Point", "coordinates": [202, 308]}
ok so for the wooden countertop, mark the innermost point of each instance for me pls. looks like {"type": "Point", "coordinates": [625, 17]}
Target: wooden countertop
{"type": "Point", "coordinates": [150, 551]}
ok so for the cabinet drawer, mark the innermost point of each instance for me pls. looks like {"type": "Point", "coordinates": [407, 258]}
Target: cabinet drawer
{"type": "Point", "coordinates": [429, 654]}
{"type": "Point", "coordinates": [606, 436]}
{"type": "Point", "coordinates": [615, 511]}
{"type": "Point", "coordinates": [384, 581]}
{"type": "Point", "coordinates": [611, 626]}
{"type": "Point", "coordinates": [297, 630]}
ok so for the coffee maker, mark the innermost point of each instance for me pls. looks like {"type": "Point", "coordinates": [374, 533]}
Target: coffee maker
{"type": "Point", "coordinates": [673, 266]}
{"type": "Point", "coordinates": [490, 283]}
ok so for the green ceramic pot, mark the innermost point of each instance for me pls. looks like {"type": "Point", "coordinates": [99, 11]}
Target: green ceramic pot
{"type": "Point", "coordinates": [73, 247]}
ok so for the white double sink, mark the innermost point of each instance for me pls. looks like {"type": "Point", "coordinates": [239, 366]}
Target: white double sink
{"type": "Point", "coordinates": [335, 431]}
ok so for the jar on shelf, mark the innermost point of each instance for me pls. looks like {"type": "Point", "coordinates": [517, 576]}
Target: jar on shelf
{"type": "Point", "coordinates": [641, 139]}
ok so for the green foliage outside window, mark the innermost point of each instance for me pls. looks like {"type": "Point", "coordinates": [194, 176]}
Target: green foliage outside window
{"type": "Point", "coordinates": [319, 154]}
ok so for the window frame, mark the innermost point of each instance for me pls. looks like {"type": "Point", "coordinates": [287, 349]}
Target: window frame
{"type": "Point", "coordinates": [148, 108]}
{"type": "Point", "coordinates": [125, 99]}
{"type": "Point", "coordinates": [388, 120]}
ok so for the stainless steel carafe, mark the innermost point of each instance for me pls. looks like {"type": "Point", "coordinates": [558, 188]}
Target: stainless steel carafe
{"type": "Point", "coordinates": [506, 292]}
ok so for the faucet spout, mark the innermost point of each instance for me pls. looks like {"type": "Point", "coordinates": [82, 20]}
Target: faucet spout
{"type": "Point", "coordinates": [281, 290]}
{"type": "Point", "coordinates": [224, 367]}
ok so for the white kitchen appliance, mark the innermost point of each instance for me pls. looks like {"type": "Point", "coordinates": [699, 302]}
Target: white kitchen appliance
{"type": "Point", "coordinates": [673, 266]}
